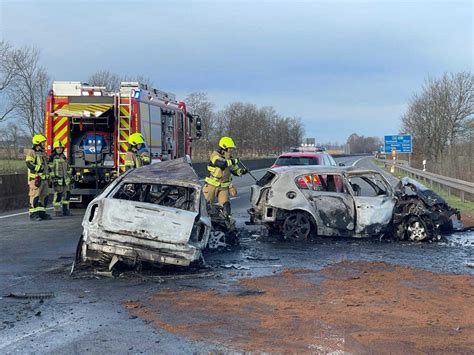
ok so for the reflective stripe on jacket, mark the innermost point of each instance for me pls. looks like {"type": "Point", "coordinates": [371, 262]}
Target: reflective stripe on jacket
{"type": "Point", "coordinates": [221, 170]}
{"type": "Point", "coordinates": [132, 160]}
{"type": "Point", "coordinates": [145, 156]}
{"type": "Point", "coordinates": [37, 163]}
{"type": "Point", "coordinates": [60, 168]}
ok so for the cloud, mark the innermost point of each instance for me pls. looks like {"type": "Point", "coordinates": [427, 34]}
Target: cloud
{"type": "Point", "coordinates": [342, 62]}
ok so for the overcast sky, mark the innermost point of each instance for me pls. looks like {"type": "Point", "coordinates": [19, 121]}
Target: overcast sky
{"type": "Point", "coordinates": [342, 66]}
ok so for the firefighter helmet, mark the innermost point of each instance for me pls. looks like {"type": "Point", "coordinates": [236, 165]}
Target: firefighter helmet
{"type": "Point", "coordinates": [226, 142]}
{"type": "Point", "coordinates": [136, 138]}
{"type": "Point", "coordinates": [58, 144]}
{"type": "Point", "coordinates": [38, 139]}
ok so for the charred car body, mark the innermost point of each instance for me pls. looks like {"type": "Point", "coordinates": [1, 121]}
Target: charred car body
{"type": "Point", "coordinates": [329, 201]}
{"type": "Point", "coordinates": [154, 214]}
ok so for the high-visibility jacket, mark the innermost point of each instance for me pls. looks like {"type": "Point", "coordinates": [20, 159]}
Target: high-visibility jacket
{"type": "Point", "coordinates": [61, 172]}
{"type": "Point", "coordinates": [132, 160]}
{"type": "Point", "coordinates": [221, 170]}
{"type": "Point", "coordinates": [37, 163]}
{"type": "Point", "coordinates": [145, 156]}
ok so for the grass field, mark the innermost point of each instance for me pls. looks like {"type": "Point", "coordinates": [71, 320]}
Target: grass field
{"type": "Point", "coordinates": [466, 207]}
{"type": "Point", "coordinates": [12, 166]}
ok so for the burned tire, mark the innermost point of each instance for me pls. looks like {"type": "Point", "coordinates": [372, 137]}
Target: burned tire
{"type": "Point", "coordinates": [417, 230]}
{"type": "Point", "coordinates": [297, 225]}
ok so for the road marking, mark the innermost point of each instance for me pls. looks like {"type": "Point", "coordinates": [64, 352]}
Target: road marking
{"type": "Point", "coordinates": [358, 160]}
{"type": "Point", "coordinates": [20, 213]}
{"type": "Point", "coordinates": [47, 328]}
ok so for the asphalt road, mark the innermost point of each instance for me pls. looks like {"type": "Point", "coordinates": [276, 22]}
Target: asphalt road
{"type": "Point", "coordinates": [86, 313]}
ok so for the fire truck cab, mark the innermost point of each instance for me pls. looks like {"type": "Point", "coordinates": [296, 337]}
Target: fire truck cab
{"type": "Point", "coordinates": [94, 125]}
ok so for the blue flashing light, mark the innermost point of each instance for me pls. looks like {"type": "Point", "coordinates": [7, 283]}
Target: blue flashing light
{"type": "Point", "coordinates": [136, 94]}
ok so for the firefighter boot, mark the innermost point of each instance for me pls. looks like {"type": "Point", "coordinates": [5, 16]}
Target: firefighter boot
{"type": "Point", "coordinates": [44, 215]}
{"type": "Point", "coordinates": [66, 211]}
{"type": "Point", "coordinates": [35, 216]}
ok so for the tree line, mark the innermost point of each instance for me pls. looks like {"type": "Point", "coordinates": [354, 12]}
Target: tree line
{"type": "Point", "coordinates": [363, 145]}
{"type": "Point", "coordinates": [257, 131]}
{"type": "Point", "coordinates": [441, 120]}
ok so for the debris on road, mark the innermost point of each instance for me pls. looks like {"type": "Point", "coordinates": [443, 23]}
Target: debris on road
{"type": "Point", "coordinates": [32, 296]}
{"type": "Point", "coordinates": [470, 264]}
{"type": "Point", "coordinates": [235, 266]}
{"type": "Point", "coordinates": [255, 258]}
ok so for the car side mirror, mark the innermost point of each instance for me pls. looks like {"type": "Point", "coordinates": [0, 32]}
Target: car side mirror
{"type": "Point", "coordinates": [198, 123]}
{"type": "Point", "coordinates": [342, 164]}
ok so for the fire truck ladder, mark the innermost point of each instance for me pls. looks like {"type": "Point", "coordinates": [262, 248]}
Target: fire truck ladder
{"type": "Point", "coordinates": [124, 115]}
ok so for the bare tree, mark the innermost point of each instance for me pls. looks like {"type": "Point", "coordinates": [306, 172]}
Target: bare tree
{"type": "Point", "coordinates": [29, 88]}
{"type": "Point", "coordinates": [258, 131]}
{"type": "Point", "coordinates": [361, 144]}
{"type": "Point", "coordinates": [7, 74]}
{"type": "Point", "coordinates": [112, 81]}
{"type": "Point", "coordinates": [199, 103]}
{"type": "Point", "coordinates": [439, 117]}
{"type": "Point", "coordinates": [105, 78]}
{"type": "Point", "coordinates": [142, 79]}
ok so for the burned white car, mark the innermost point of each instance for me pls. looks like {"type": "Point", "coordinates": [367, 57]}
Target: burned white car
{"type": "Point", "coordinates": [328, 201]}
{"type": "Point", "coordinates": [155, 214]}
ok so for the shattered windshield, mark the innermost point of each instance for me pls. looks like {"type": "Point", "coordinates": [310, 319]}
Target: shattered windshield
{"type": "Point", "coordinates": [158, 194]}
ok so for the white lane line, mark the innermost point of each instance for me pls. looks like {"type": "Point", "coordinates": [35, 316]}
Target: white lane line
{"type": "Point", "coordinates": [20, 213]}
{"type": "Point", "coordinates": [358, 160]}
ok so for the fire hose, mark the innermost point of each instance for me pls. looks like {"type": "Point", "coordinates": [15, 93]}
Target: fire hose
{"type": "Point", "coordinates": [248, 170]}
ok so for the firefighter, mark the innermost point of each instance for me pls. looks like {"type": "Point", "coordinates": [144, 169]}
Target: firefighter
{"type": "Point", "coordinates": [137, 154]}
{"type": "Point", "coordinates": [221, 167]}
{"type": "Point", "coordinates": [144, 155]}
{"type": "Point", "coordinates": [61, 176]}
{"type": "Point", "coordinates": [38, 175]}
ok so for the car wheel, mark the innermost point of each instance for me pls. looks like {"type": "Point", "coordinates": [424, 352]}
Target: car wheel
{"type": "Point", "coordinates": [417, 229]}
{"type": "Point", "coordinates": [297, 225]}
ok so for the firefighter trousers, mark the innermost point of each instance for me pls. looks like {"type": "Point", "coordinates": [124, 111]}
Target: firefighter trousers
{"type": "Point", "coordinates": [211, 193]}
{"type": "Point", "coordinates": [38, 196]}
{"type": "Point", "coordinates": [62, 194]}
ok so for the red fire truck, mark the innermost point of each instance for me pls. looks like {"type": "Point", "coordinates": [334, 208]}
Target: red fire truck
{"type": "Point", "coordinates": [94, 125]}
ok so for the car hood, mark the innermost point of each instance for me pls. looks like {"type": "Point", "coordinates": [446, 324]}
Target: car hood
{"type": "Point", "coordinates": [408, 186]}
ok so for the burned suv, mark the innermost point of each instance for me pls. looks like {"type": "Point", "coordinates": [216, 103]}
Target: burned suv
{"type": "Point", "coordinates": [296, 202]}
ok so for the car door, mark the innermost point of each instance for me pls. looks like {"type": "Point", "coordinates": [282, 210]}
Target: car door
{"type": "Point", "coordinates": [334, 207]}
{"type": "Point", "coordinates": [374, 203]}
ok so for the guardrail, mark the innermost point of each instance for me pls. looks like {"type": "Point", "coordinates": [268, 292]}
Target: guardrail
{"type": "Point", "coordinates": [465, 189]}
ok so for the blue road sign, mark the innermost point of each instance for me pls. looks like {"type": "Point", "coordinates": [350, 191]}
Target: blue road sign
{"type": "Point", "coordinates": [402, 144]}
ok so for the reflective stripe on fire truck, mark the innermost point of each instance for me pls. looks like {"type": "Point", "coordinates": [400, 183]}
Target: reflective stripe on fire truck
{"type": "Point", "coordinates": [61, 130]}
{"type": "Point", "coordinates": [77, 110]}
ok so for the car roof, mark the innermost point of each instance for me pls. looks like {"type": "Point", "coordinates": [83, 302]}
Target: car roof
{"type": "Point", "coordinates": [301, 154]}
{"type": "Point", "coordinates": [323, 169]}
{"type": "Point", "coordinates": [172, 172]}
